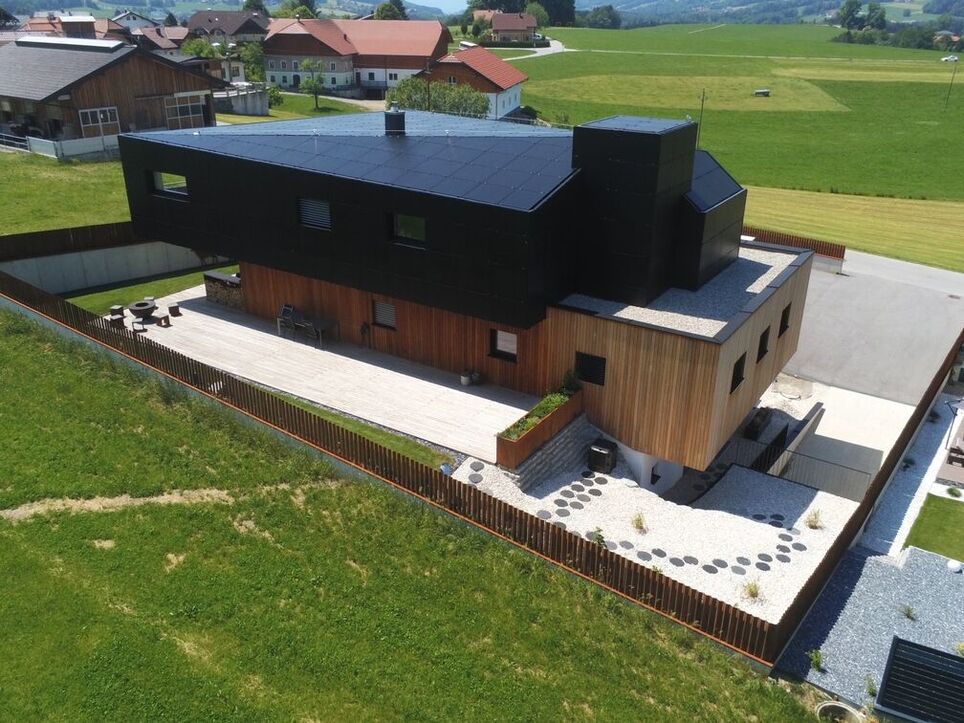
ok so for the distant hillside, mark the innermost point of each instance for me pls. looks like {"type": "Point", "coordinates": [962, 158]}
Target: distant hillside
{"type": "Point", "coordinates": [711, 11]}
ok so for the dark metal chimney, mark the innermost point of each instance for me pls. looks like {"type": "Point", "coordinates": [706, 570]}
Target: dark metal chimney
{"type": "Point", "coordinates": [394, 121]}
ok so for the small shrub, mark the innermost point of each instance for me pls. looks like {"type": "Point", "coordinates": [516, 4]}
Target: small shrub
{"type": "Point", "coordinates": [597, 537]}
{"type": "Point", "coordinates": [908, 612]}
{"type": "Point", "coordinates": [639, 523]}
{"type": "Point", "coordinates": [813, 521]}
{"type": "Point", "coordinates": [954, 491]}
{"type": "Point", "coordinates": [816, 660]}
{"type": "Point", "coordinates": [570, 383]}
{"type": "Point", "coordinates": [752, 590]}
{"type": "Point", "coordinates": [960, 649]}
{"type": "Point", "coordinates": [275, 98]}
{"type": "Point", "coordinates": [659, 571]}
{"type": "Point", "coordinates": [871, 687]}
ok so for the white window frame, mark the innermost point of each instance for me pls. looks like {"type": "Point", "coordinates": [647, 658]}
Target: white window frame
{"type": "Point", "coordinates": [332, 67]}
{"type": "Point", "coordinates": [98, 118]}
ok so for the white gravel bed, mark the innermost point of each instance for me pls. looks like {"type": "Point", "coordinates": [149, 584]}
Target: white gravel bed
{"type": "Point", "coordinates": [715, 546]}
{"type": "Point", "coordinates": [706, 311]}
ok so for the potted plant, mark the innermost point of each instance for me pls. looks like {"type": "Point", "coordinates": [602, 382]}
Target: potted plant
{"type": "Point", "coordinates": [466, 378]}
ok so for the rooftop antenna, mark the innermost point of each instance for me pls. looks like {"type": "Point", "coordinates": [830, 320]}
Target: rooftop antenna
{"type": "Point", "coordinates": [699, 128]}
{"type": "Point", "coordinates": [953, 75]}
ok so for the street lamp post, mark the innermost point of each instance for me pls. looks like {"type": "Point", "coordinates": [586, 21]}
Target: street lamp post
{"type": "Point", "coordinates": [951, 84]}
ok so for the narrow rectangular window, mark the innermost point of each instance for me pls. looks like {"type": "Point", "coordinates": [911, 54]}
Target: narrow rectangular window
{"type": "Point", "coordinates": [334, 81]}
{"type": "Point", "coordinates": [503, 344]}
{"type": "Point", "coordinates": [284, 64]}
{"type": "Point", "coordinates": [284, 80]}
{"type": "Point", "coordinates": [764, 345]}
{"type": "Point", "coordinates": [590, 368]}
{"type": "Point", "coordinates": [383, 314]}
{"type": "Point", "coordinates": [737, 378]}
{"type": "Point", "coordinates": [785, 320]}
{"type": "Point", "coordinates": [331, 67]}
{"type": "Point", "coordinates": [270, 65]}
{"type": "Point", "coordinates": [409, 229]}
{"type": "Point", "coordinates": [272, 79]}
{"type": "Point", "coordinates": [453, 80]}
{"type": "Point", "coordinates": [169, 184]}
{"type": "Point", "coordinates": [294, 65]}
{"type": "Point", "coordinates": [371, 76]}
{"type": "Point", "coordinates": [314, 213]}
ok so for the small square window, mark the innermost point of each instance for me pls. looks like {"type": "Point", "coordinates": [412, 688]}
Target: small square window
{"type": "Point", "coordinates": [314, 213]}
{"type": "Point", "coordinates": [503, 344]}
{"type": "Point", "coordinates": [383, 314]}
{"type": "Point", "coordinates": [371, 76]}
{"type": "Point", "coordinates": [409, 229]}
{"type": "Point", "coordinates": [590, 368]}
{"type": "Point", "coordinates": [764, 345]}
{"type": "Point", "coordinates": [453, 80]}
{"type": "Point", "coordinates": [169, 184]}
{"type": "Point", "coordinates": [738, 369]}
{"type": "Point", "coordinates": [785, 319]}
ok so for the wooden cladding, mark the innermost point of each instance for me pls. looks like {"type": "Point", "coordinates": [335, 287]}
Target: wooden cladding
{"type": "Point", "coordinates": [824, 248]}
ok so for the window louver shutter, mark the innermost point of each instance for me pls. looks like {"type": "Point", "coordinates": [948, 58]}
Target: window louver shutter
{"type": "Point", "coordinates": [384, 314]}
{"type": "Point", "coordinates": [314, 214]}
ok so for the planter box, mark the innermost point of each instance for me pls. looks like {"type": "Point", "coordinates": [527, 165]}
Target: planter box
{"type": "Point", "coordinates": [510, 453]}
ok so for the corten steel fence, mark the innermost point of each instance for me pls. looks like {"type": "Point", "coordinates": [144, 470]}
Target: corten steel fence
{"type": "Point", "coordinates": [67, 240]}
{"type": "Point", "coordinates": [724, 623]}
{"type": "Point", "coordinates": [823, 248]}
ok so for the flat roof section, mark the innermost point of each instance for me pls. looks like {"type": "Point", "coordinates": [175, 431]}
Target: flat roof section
{"type": "Point", "coordinates": [708, 311]}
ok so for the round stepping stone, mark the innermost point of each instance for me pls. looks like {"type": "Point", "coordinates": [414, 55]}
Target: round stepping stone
{"type": "Point", "coordinates": [743, 560]}
{"type": "Point", "coordinates": [659, 552]}
{"type": "Point", "coordinates": [600, 480]}
{"type": "Point", "coordinates": [736, 569]}
{"type": "Point", "coordinates": [776, 523]}
{"type": "Point", "coordinates": [676, 561]}
{"type": "Point", "coordinates": [690, 560]}
{"type": "Point", "coordinates": [783, 548]}
{"type": "Point", "coordinates": [765, 557]}
{"type": "Point", "coordinates": [626, 544]}
{"type": "Point", "coordinates": [794, 531]}
{"type": "Point", "coordinates": [610, 545]}
{"type": "Point", "coordinates": [560, 503]}
{"type": "Point", "coordinates": [758, 516]}
{"type": "Point", "coordinates": [563, 512]}
{"type": "Point", "coordinates": [567, 493]}
{"type": "Point", "coordinates": [762, 566]}
{"type": "Point", "coordinates": [710, 569]}
{"type": "Point", "coordinates": [588, 482]}
{"type": "Point", "coordinates": [583, 498]}
{"type": "Point", "coordinates": [595, 493]}
{"type": "Point", "coordinates": [577, 487]}
{"type": "Point", "coordinates": [777, 517]}
{"type": "Point", "coordinates": [644, 556]}
{"type": "Point", "coordinates": [721, 563]}
{"type": "Point", "coordinates": [785, 537]}
{"type": "Point", "coordinates": [557, 523]}
{"type": "Point", "coordinates": [586, 474]}
{"type": "Point", "coordinates": [798, 546]}
{"type": "Point", "coordinates": [576, 505]}
{"type": "Point", "coordinates": [475, 478]}
{"type": "Point", "coordinates": [544, 514]}
{"type": "Point", "coordinates": [477, 466]}
{"type": "Point", "coordinates": [783, 558]}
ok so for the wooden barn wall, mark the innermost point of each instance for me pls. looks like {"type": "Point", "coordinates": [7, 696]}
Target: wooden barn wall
{"type": "Point", "coordinates": [731, 409]}
{"type": "Point", "coordinates": [137, 86]}
{"type": "Point", "coordinates": [442, 339]}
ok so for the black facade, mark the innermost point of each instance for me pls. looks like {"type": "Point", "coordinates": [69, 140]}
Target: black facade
{"type": "Point", "coordinates": [604, 211]}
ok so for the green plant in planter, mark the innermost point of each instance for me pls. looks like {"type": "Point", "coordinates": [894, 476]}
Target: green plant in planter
{"type": "Point", "coordinates": [954, 491]}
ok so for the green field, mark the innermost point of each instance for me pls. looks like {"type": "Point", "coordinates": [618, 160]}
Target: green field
{"type": "Point", "coordinates": [274, 588]}
{"type": "Point", "coordinates": [938, 527]}
{"type": "Point", "coordinates": [862, 120]}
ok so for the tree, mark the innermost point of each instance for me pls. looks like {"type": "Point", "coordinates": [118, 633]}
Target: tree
{"type": "Point", "coordinates": [253, 58]}
{"type": "Point", "coordinates": [314, 87]}
{"type": "Point", "coordinates": [876, 17]}
{"type": "Point", "coordinates": [400, 6]}
{"type": "Point", "coordinates": [561, 12]}
{"type": "Point", "coordinates": [539, 13]}
{"type": "Point", "coordinates": [387, 11]}
{"type": "Point", "coordinates": [199, 48]}
{"type": "Point", "coordinates": [256, 6]}
{"type": "Point", "coordinates": [849, 14]}
{"type": "Point", "coordinates": [296, 8]}
{"type": "Point", "coordinates": [604, 16]}
{"type": "Point", "coordinates": [420, 94]}
{"type": "Point", "coordinates": [169, 20]}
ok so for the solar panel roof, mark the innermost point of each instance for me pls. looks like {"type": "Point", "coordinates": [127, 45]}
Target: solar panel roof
{"type": "Point", "coordinates": [922, 683]}
{"type": "Point", "coordinates": [491, 162]}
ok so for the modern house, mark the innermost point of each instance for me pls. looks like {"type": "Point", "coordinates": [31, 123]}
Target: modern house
{"type": "Point", "coordinates": [513, 27]}
{"type": "Point", "coordinates": [484, 71]}
{"type": "Point", "coordinates": [229, 26]}
{"type": "Point", "coordinates": [357, 56]}
{"type": "Point", "coordinates": [131, 20]}
{"type": "Point", "coordinates": [69, 88]}
{"type": "Point", "coordinates": [519, 252]}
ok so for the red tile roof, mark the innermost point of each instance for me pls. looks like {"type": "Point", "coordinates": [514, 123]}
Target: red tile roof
{"type": "Point", "coordinates": [513, 21]}
{"type": "Point", "coordinates": [324, 31]}
{"type": "Point", "coordinates": [417, 38]}
{"type": "Point", "coordinates": [489, 65]}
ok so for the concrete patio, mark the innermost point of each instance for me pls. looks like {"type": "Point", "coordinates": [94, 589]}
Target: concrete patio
{"type": "Point", "coordinates": [411, 398]}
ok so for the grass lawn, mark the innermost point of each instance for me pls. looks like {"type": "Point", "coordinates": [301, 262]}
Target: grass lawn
{"type": "Point", "coordinates": [41, 193]}
{"type": "Point", "coordinates": [100, 302]}
{"type": "Point", "coordinates": [939, 527]}
{"type": "Point", "coordinates": [295, 594]}
{"type": "Point", "coordinates": [918, 231]}
{"type": "Point", "coordinates": [295, 106]}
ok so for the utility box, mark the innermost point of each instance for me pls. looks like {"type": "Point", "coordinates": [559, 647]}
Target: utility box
{"type": "Point", "coordinates": [602, 456]}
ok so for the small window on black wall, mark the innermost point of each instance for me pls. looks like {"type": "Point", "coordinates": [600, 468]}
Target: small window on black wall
{"type": "Point", "coordinates": [409, 230]}
{"type": "Point", "coordinates": [503, 345]}
{"type": "Point", "coordinates": [314, 213]}
{"type": "Point", "coordinates": [764, 347]}
{"type": "Point", "coordinates": [169, 184]}
{"type": "Point", "coordinates": [738, 369]}
{"type": "Point", "coordinates": [785, 319]}
{"type": "Point", "coordinates": [590, 368]}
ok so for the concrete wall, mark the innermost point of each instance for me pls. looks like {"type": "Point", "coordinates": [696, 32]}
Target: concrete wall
{"type": "Point", "coordinates": [248, 102]}
{"type": "Point", "coordinates": [101, 267]}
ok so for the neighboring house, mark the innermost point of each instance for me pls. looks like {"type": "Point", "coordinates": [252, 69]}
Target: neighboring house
{"type": "Point", "coordinates": [358, 56]}
{"type": "Point", "coordinates": [518, 251]}
{"type": "Point", "coordinates": [76, 26]}
{"type": "Point", "coordinates": [486, 72]}
{"type": "Point", "coordinates": [513, 27]}
{"type": "Point", "coordinates": [483, 15]}
{"type": "Point", "coordinates": [229, 26]}
{"type": "Point", "coordinates": [131, 20]}
{"type": "Point", "coordinates": [67, 88]}
{"type": "Point", "coordinates": [162, 38]}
